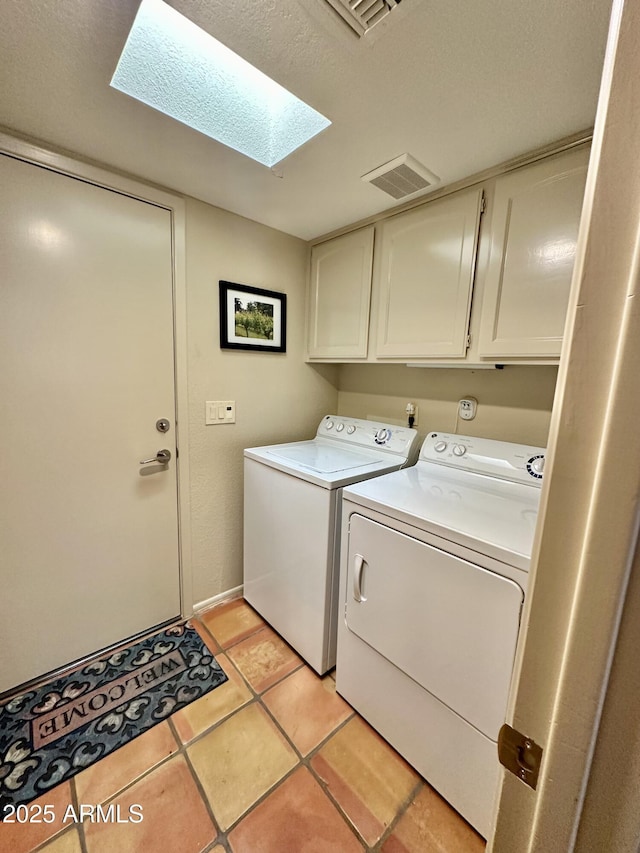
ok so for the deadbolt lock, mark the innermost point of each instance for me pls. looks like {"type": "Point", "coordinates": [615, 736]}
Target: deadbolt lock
{"type": "Point", "coordinates": [163, 425]}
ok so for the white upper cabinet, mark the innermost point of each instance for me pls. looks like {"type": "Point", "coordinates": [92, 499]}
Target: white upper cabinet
{"type": "Point", "coordinates": [533, 232]}
{"type": "Point", "coordinates": [339, 296]}
{"type": "Point", "coordinates": [423, 278]}
{"type": "Point", "coordinates": [422, 287]}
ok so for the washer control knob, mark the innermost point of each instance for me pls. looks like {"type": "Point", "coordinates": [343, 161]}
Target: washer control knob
{"type": "Point", "coordinates": [440, 446]}
{"type": "Point", "coordinates": [340, 427]}
{"type": "Point", "coordinates": [535, 466]}
{"type": "Point", "coordinates": [459, 449]}
{"type": "Point", "coordinates": [351, 429]}
{"type": "Point", "coordinates": [382, 435]}
{"type": "Point", "coordinates": [328, 425]}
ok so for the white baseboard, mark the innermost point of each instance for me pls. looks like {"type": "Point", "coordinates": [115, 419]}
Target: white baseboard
{"type": "Point", "coordinates": [230, 594]}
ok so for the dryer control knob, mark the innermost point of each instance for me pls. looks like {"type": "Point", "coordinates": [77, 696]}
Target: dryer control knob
{"type": "Point", "coordinates": [382, 435]}
{"type": "Point", "coordinates": [328, 425]}
{"type": "Point", "coordinates": [351, 429]}
{"type": "Point", "coordinates": [459, 449]}
{"type": "Point", "coordinates": [340, 427]}
{"type": "Point", "coordinates": [535, 466]}
{"type": "Point", "coordinates": [440, 446]}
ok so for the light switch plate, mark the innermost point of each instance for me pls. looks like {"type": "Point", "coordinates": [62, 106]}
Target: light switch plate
{"type": "Point", "coordinates": [220, 412]}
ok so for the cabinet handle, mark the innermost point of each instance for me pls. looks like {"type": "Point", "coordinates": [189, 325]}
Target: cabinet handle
{"type": "Point", "coordinates": [358, 565]}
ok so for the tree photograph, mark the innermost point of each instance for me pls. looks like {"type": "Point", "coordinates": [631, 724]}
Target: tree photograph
{"type": "Point", "coordinates": [254, 319]}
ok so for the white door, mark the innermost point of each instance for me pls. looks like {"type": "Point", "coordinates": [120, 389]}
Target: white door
{"type": "Point", "coordinates": [340, 293]}
{"type": "Point", "coordinates": [88, 535]}
{"type": "Point", "coordinates": [533, 233]}
{"type": "Point", "coordinates": [424, 278]}
{"type": "Point", "coordinates": [448, 624]}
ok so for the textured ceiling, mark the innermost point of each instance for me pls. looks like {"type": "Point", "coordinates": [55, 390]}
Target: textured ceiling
{"type": "Point", "coordinates": [461, 86]}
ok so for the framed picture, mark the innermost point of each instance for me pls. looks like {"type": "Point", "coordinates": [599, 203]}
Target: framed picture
{"type": "Point", "coordinates": [252, 318]}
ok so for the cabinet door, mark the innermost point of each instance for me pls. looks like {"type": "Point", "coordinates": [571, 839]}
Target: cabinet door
{"type": "Point", "coordinates": [340, 293]}
{"type": "Point", "coordinates": [534, 228]}
{"type": "Point", "coordinates": [425, 277]}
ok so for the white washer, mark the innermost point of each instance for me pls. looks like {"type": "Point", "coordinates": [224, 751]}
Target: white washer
{"type": "Point", "coordinates": [292, 501]}
{"type": "Point", "coordinates": [433, 579]}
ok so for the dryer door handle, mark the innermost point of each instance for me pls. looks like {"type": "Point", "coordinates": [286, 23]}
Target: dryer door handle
{"type": "Point", "coordinates": [358, 565]}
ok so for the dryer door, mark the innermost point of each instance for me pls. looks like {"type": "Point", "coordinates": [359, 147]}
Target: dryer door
{"type": "Point", "coordinates": [447, 623]}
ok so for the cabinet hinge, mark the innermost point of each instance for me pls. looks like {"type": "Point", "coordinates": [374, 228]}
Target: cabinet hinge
{"type": "Point", "coordinates": [483, 203]}
{"type": "Point", "coordinates": [520, 755]}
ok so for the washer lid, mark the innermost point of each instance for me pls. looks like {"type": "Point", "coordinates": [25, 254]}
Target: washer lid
{"type": "Point", "coordinates": [325, 463]}
{"type": "Point", "coordinates": [323, 458]}
{"type": "Point", "coordinates": [494, 517]}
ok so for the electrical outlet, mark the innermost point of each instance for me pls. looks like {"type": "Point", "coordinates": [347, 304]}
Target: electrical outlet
{"type": "Point", "coordinates": [220, 412]}
{"type": "Point", "coordinates": [467, 408]}
{"type": "Point", "coordinates": [412, 411]}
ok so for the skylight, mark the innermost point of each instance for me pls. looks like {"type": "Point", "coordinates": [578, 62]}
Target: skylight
{"type": "Point", "coordinates": [174, 66]}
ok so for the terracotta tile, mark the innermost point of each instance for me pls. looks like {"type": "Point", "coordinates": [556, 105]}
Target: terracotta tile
{"type": "Point", "coordinates": [106, 777]}
{"type": "Point", "coordinates": [205, 636]}
{"type": "Point", "coordinates": [296, 816]}
{"type": "Point", "coordinates": [239, 761]}
{"type": "Point", "coordinates": [174, 816]}
{"type": "Point", "coordinates": [264, 658]}
{"type": "Point", "coordinates": [430, 825]}
{"type": "Point", "coordinates": [22, 837]}
{"type": "Point", "coordinates": [307, 707]}
{"type": "Point", "coordinates": [215, 706]}
{"type": "Point", "coordinates": [231, 622]}
{"type": "Point", "coordinates": [68, 842]}
{"type": "Point", "coordinates": [366, 776]}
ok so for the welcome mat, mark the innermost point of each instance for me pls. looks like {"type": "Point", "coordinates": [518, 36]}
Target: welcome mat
{"type": "Point", "coordinates": [49, 734]}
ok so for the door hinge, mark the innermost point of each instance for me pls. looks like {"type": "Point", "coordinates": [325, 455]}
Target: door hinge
{"type": "Point", "coordinates": [468, 341]}
{"type": "Point", "coordinates": [520, 755]}
{"type": "Point", "coordinates": [483, 203]}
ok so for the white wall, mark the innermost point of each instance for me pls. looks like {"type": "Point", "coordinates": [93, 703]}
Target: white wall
{"type": "Point", "coordinates": [514, 404]}
{"type": "Point", "coordinates": [278, 396]}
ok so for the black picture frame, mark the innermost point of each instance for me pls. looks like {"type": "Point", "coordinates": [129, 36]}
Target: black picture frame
{"type": "Point", "coordinates": [265, 329]}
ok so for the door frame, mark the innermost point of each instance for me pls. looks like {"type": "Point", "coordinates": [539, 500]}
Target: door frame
{"type": "Point", "coordinates": [31, 151]}
{"type": "Point", "coordinates": [575, 665]}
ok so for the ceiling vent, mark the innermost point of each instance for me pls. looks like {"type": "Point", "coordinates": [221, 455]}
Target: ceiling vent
{"type": "Point", "coordinates": [362, 15]}
{"type": "Point", "coordinates": [401, 177]}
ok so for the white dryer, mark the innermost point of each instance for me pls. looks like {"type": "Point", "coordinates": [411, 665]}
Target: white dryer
{"type": "Point", "coordinates": [292, 513]}
{"type": "Point", "coordinates": [433, 579]}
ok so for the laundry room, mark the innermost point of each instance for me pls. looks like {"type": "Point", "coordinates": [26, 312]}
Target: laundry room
{"type": "Point", "coordinates": [268, 389]}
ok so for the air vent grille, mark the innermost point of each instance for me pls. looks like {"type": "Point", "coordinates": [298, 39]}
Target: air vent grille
{"type": "Point", "coordinates": [401, 177]}
{"type": "Point", "coordinates": [362, 15]}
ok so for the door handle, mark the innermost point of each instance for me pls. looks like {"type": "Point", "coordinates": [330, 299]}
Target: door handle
{"type": "Point", "coordinates": [162, 457]}
{"type": "Point", "coordinates": [358, 565]}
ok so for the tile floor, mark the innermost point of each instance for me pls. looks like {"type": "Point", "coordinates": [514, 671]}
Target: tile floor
{"type": "Point", "coordinates": [273, 761]}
